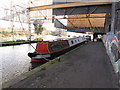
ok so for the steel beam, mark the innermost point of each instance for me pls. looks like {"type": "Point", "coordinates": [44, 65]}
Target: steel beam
{"type": "Point", "coordinates": [72, 4]}
{"type": "Point", "coordinates": [84, 30]}
{"type": "Point", "coordinates": [83, 10]}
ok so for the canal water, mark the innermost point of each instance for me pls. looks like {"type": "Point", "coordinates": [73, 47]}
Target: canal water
{"type": "Point", "coordinates": [15, 61]}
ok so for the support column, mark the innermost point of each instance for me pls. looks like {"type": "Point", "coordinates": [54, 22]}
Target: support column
{"type": "Point", "coordinates": [108, 23]}
{"type": "Point", "coordinates": [113, 19]}
{"type": "Point", "coordinates": [29, 26]}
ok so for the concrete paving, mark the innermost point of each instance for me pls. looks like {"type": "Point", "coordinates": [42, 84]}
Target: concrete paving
{"type": "Point", "coordinates": [87, 66]}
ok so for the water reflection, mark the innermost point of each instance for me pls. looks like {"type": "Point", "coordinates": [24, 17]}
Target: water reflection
{"type": "Point", "coordinates": [15, 60]}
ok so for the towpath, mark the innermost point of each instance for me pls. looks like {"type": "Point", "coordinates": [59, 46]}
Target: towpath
{"type": "Point", "coordinates": [87, 66]}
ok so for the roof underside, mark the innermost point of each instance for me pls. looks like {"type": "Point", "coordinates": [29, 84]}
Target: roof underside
{"type": "Point", "coordinates": [77, 21]}
{"type": "Point", "coordinates": [86, 22]}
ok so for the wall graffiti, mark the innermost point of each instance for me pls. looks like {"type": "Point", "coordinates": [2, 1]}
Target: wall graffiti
{"type": "Point", "coordinates": [115, 52]}
{"type": "Point", "coordinates": [114, 49]}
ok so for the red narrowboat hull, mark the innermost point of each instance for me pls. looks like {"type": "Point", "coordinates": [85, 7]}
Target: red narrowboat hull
{"type": "Point", "coordinates": [37, 60]}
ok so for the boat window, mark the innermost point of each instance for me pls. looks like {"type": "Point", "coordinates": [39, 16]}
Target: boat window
{"type": "Point", "coordinates": [75, 41]}
{"type": "Point", "coordinates": [72, 42]}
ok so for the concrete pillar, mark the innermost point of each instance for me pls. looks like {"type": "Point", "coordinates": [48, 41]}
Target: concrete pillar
{"type": "Point", "coordinates": [107, 23]}
{"type": "Point", "coordinates": [113, 18]}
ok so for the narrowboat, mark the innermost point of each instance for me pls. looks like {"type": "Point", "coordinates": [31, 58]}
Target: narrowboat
{"type": "Point", "coordinates": [46, 50]}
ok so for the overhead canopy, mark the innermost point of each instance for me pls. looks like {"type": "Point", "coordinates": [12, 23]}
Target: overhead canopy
{"type": "Point", "coordinates": [64, 5]}
{"type": "Point", "coordinates": [86, 22]}
{"type": "Point", "coordinates": [83, 21]}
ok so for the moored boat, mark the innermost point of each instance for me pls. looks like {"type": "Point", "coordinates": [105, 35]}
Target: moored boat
{"type": "Point", "coordinates": [46, 50]}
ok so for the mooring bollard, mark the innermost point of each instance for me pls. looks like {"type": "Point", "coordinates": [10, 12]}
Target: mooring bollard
{"type": "Point", "coordinates": [58, 59]}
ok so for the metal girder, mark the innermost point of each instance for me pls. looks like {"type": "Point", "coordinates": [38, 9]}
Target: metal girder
{"type": "Point", "coordinates": [80, 30]}
{"type": "Point", "coordinates": [66, 18]}
{"type": "Point", "coordinates": [58, 24]}
{"type": "Point", "coordinates": [68, 1]}
{"type": "Point", "coordinates": [83, 10]}
{"type": "Point", "coordinates": [85, 30]}
{"type": "Point", "coordinates": [80, 16]}
{"type": "Point", "coordinates": [64, 5]}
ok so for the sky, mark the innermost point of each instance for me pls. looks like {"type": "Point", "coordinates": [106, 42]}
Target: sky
{"type": "Point", "coordinates": [9, 24]}
{"type": "Point", "coordinates": [7, 3]}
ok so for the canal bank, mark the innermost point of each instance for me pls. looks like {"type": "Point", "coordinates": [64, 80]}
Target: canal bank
{"type": "Point", "coordinates": [12, 43]}
{"type": "Point", "coordinates": [87, 66]}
